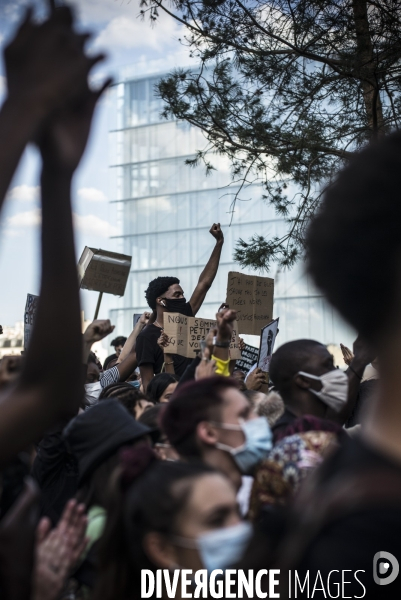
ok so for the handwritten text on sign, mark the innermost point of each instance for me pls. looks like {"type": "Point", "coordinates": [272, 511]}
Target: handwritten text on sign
{"type": "Point", "coordinates": [186, 333]}
{"type": "Point", "coordinates": [29, 317]}
{"type": "Point", "coordinates": [252, 297]}
{"type": "Point", "coordinates": [104, 271]}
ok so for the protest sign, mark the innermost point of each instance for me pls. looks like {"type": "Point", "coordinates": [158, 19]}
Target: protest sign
{"type": "Point", "coordinates": [252, 297]}
{"type": "Point", "coordinates": [267, 339]}
{"type": "Point", "coordinates": [249, 356]}
{"type": "Point", "coordinates": [186, 333]}
{"type": "Point", "coordinates": [29, 317]}
{"type": "Point", "coordinates": [104, 271]}
{"type": "Point", "coordinates": [136, 318]}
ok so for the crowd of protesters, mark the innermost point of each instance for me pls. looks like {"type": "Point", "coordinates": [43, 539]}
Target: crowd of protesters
{"type": "Point", "coordinates": [154, 461]}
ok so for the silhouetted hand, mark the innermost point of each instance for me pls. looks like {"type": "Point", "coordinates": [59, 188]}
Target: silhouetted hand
{"type": "Point", "coordinates": [62, 141]}
{"type": "Point", "coordinates": [45, 63]}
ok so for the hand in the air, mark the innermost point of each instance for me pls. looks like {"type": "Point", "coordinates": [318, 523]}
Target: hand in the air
{"type": "Point", "coordinates": [216, 232]}
{"type": "Point", "coordinates": [225, 320]}
{"type": "Point", "coordinates": [347, 354]}
{"type": "Point", "coordinates": [206, 367]}
{"type": "Point", "coordinates": [45, 63]}
{"type": "Point", "coordinates": [97, 330]}
{"type": "Point", "coordinates": [144, 318]}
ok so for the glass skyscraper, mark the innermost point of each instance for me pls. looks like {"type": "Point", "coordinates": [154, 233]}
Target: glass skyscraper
{"type": "Point", "coordinates": [165, 210]}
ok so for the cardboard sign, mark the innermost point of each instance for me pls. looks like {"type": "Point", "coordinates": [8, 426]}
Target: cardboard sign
{"type": "Point", "coordinates": [252, 297]}
{"type": "Point", "coordinates": [249, 357]}
{"type": "Point", "coordinates": [29, 317]}
{"type": "Point", "coordinates": [104, 271]}
{"type": "Point", "coordinates": [186, 333]}
{"type": "Point", "coordinates": [267, 339]}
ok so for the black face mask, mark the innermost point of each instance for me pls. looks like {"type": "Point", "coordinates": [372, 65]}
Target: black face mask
{"type": "Point", "coordinates": [174, 305]}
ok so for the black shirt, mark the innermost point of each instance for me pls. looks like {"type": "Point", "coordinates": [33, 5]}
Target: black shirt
{"type": "Point", "coordinates": [148, 351]}
{"type": "Point", "coordinates": [351, 541]}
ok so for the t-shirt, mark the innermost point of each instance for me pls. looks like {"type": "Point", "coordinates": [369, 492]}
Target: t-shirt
{"type": "Point", "coordinates": [351, 542]}
{"type": "Point", "coordinates": [148, 351]}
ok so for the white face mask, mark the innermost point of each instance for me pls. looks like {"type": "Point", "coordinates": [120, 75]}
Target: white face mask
{"type": "Point", "coordinates": [92, 392]}
{"type": "Point", "coordinates": [334, 390]}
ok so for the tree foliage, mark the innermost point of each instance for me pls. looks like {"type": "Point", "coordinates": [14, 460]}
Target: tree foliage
{"type": "Point", "coordinates": [288, 90]}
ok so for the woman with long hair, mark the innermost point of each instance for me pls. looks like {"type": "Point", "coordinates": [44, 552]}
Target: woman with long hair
{"type": "Point", "coordinates": [166, 515]}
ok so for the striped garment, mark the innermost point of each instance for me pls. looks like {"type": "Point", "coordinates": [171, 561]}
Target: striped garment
{"type": "Point", "coordinates": [108, 377]}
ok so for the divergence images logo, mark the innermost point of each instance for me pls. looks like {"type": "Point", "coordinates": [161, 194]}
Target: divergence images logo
{"type": "Point", "coordinates": [386, 564]}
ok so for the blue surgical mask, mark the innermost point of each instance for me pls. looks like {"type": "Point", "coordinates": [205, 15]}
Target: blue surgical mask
{"type": "Point", "coordinates": [220, 548]}
{"type": "Point", "coordinates": [258, 443]}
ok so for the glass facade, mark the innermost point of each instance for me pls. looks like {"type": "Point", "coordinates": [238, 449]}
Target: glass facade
{"type": "Point", "coordinates": [165, 210]}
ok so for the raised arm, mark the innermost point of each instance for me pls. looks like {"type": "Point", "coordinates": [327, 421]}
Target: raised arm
{"type": "Point", "coordinates": [209, 272]}
{"type": "Point", "coordinates": [95, 332]}
{"type": "Point", "coordinates": [42, 62]}
{"type": "Point", "coordinates": [129, 345]}
{"type": "Point", "coordinates": [50, 385]}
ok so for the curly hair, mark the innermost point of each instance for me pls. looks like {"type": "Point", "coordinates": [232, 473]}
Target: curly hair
{"type": "Point", "coordinates": [157, 288]}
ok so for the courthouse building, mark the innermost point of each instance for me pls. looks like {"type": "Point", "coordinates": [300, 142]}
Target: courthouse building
{"type": "Point", "coordinates": [165, 209]}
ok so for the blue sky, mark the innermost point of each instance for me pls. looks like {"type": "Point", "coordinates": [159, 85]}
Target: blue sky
{"type": "Point", "coordinates": [128, 41]}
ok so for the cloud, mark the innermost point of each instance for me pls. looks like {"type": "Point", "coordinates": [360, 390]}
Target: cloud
{"type": "Point", "coordinates": [23, 220]}
{"type": "Point", "coordinates": [84, 224]}
{"type": "Point", "coordinates": [24, 193]}
{"type": "Point", "coordinates": [125, 32]}
{"type": "Point", "coordinates": [100, 11]}
{"type": "Point", "coordinates": [92, 195]}
{"type": "Point", "coordinates": [92, 225]}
